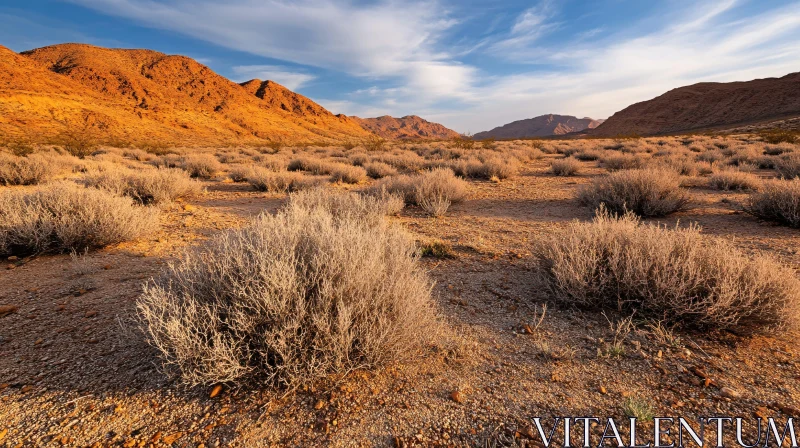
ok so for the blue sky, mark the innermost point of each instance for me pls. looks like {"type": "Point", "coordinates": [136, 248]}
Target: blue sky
{"type": "Point", "coordinates": [468, 64]}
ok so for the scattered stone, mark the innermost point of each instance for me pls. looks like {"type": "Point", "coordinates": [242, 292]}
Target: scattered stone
{"type": "Point", "coordinates": [215, 391]}
{"type": "Point", "coordinates": [107, 267]}
{"type": "Point", "coordinates": [457, 396]}
{"type": "Point", "coordinates": [320, 404]}
{"type": "Point", "coordinates": [3, 434]}
{"type": "Point", "coordinates": [7, 309]}
{"type": "Point", "coordinates": [729, 393]}
{"type": "Point", "coordinates": [90, 314]}
{"type": "Point", "coordinates": [603, 390]}
{"type": "Point", "coordinates": [26, 388]}
{"type": "Point", "coordinates": [156, 437]}
{"type": "Point", "coordinates": [171, 438]}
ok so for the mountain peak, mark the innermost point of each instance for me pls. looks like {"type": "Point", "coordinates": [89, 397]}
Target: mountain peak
{"type": "Point", "coordinates": [408, 127]}
{"type": "Point", "coordinates": [541, 126]}
{"type": "Point", "coordinates": [140, 95]}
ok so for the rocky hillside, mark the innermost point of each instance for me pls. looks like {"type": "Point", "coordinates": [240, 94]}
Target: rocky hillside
{"type": "Point", "coordinates": [139, 95]}
{"type": "Point", "coordinates": [542, 126]}
{"type": "Point", "coordinates": [709, 105]}
{"type": "Point", "coordinates": [408, 127]}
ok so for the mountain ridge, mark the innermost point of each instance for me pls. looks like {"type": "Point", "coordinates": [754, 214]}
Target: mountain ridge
{"type": "Point", "coordinates": [708, 105]}
{"type": "Point", "coordinates": [133, 93]}
{"type": "Point", "coordinates": [407, 127]}
{"type": "Point", "coordinates": [541, 126]}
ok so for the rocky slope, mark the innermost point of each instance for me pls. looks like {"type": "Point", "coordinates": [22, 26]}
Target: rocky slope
{"type": "Point", "coordinates": [146, 95]}
{"type": "Point", "coordinates": [542, 126]}
{"type": "Point", "coordinates": [408, 127]}
{"type": "Point", "coordinates": [709, 105]}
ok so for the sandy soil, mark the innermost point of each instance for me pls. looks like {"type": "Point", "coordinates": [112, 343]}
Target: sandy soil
{"type": "Point", "coordinates": [74, 372]}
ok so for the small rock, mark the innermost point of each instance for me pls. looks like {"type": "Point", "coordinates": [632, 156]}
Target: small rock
{"type": "Point", "coordinates": [603, 390]}
{"type": "Point", "coordinates": [156, 437]}
{"type": "Point", "coordinates": [457, 396]}
{"type": "Point", "coordinates": [320, 404]}
{"type": "Point", "coordinates": [729, 393]}
{"type": "Point", "coordinates": [171, 438]}
{"type": "Point", "coordinates": [27, 388]}
{"type": "Point", "coordinates": [7, 309]}
{"type": "Point", "coordinates": [107, 267]}
{"type": "Point", "coordinates": [3, 434]}
{"type": "Point", "coordinates": [90, 314]}
{"type": "Point", "coordinates": [660, 354]}
{"type": "Point", "coordinates": [215, 391]}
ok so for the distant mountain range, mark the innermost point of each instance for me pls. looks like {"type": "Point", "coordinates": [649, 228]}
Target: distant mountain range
{"type": "Point", "coordinates": [542, 126]}
{"type": "Point", "coordinates": [408, 127]}
{"type": "Point", "coordinates": [708, 106]}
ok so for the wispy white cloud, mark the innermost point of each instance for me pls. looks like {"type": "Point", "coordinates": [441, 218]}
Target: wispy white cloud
{"type": "Point", "coordinates": [404, 47]}
{"type": "Point", "coordinates": [290, 79]}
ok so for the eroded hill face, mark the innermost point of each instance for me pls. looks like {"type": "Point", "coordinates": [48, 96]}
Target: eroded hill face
{"type": "Point", "coordinates": [542, 126]}
{"type": "Point", "coordinates": [408, 127]}
{"type": "Point", "coordinates": [146, 95]}
{"type": "Point", "coordinates": [709, 106]}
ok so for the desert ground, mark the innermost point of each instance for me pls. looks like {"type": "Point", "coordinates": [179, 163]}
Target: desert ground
{"type": "Point", "coordinates": [77, 368]}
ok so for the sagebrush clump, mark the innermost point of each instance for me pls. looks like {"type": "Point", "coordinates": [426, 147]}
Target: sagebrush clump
{"type": "Point", "coordinates": [292, 298]}
{"type": "Point", "coordinates": [778, 201]}
{"type": "Point", "coordinates": [645, 192]}
{"type": "Point", "coordinates": [155, 186]}
{"type": "Point", "coordinates": [674, 274]}
{"type": "Point", "coordinates": [565, 167]}
{"type": "Point", "coordinates": [63, 217]}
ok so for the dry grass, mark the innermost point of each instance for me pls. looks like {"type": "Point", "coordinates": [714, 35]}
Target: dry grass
{"type": "Point", "coordinates": [378, 170]}
{"type": "Point", "coordinates": [734, 180]}
{"type": "Point", "coordinates": [348, 174]}
{"type": "Point", "coordinates": [679, 275]}
{"type": "Point", "coordinates": [565, 167]}
{"type": "Point", "coordinates": [263, 179]}
{"type": "Point", "coordinates": [204, 166]}
{"type": "Point", "coordinates": [433, 190]}
{"type": "Point", "coordinates": [29, 170]}
{"type": "Point", "coordinates": [154, 186]}
{"type": "Point", "coordinates": [788, 166]}
{"type": "Point", "coordinates": [617, 162]}
{"type": "Point", "coordinates": [65, 216]}
{"type": "Point", "coordinates": [293, 298]}
{"type": "Point", "coordinates": [779, 201]}
{"type": "Point", "coordinates": [646, 192]}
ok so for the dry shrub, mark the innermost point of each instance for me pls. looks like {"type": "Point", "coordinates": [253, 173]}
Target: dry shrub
{"type": "Point", "coordinates": [778, 149]}
{"type": "Point", "coordinates": [433, 190]}
{"type": "Point", "coordinates": [565, 167]}
{"type": "Point", "coordinates": [154, 186]}
{"type": "Point", "coordinates": [646, 192]}
{"type": "Point", "coordinates": [201, 165]}
{"type": "Point", "coordinates": [495, 168]}
{"type": "Point", "coordinates": [348, 174]}
{"type": "Point", "coordinates": [371, 208]}
{"type": "Point", "coordinates": [64, 216]}
{"type": "Point", "coordinates": [30, 170]}
{"type": "Point", "coordinates": [378, 170]}
{"type": "Point", "coordinates": [734, 180]}
{"type": "Point", "coordinates": [313, 166]}
{"type": "Point", "coordinates": [437, 189]}
{"type": "Point", "coordinates": [777, 200]}
{"type": "Point", "coordinates": [263, 179]}
{"type": "Point", "coordinates": [788, 166]}
{"type": "Point", "coordinates": [402, 185]}
{"type": "Point", "coordinates": [293, 298]}
{"type": "Point", "coordinates": [588, 155]}
{"type": "Point", "coordinates": [616, 162]}
{"type": "Point", "coordinates": [240, 173]}
{"type": "Point", "coordinates": [678, 275]}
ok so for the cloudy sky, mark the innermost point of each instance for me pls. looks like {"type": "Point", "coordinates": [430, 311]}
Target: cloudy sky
{"type": "Point", "coordinates": [468, 64]}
